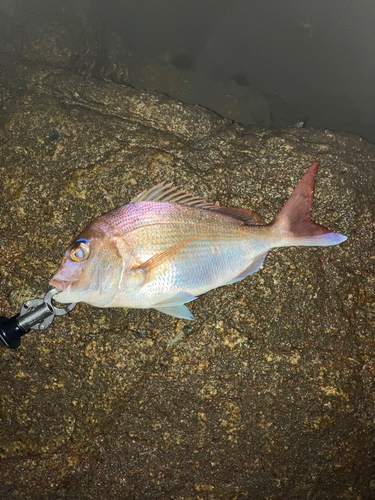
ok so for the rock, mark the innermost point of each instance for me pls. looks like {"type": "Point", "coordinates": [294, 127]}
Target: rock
{"type": "Point", "coordinates": [53, 45]}
{"type": "Point", "coordinates": [96, 53]}
{"type": "Point", "coordinates": [236, 102]}
{"type": "Point", "coordinates": [268, 394]}
{"type": "Point", "coordinates": [163, 77]}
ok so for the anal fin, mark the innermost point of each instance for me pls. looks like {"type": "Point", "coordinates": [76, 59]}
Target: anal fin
{"type": "Point", "coordinates": [255, 265]}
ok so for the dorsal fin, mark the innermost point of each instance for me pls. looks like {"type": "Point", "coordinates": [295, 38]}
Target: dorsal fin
{"type": "Point", "coordinates": [171, 194]}
{"type": "Point", "coordinates": [248, 217]}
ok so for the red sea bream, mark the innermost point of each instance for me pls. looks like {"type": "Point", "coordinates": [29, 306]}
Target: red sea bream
{"type": "Point", "coordinates": [166, 247]}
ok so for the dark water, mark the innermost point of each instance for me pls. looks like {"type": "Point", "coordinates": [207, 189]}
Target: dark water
{"type": "Point", "coordinates": [289, 61]}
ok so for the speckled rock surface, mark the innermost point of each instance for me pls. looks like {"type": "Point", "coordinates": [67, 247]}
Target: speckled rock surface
{"type": "Point", "coordinates": [269, 394]}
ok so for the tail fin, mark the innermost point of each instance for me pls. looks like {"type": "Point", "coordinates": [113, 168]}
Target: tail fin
{"type": "Point", "coordinates": [293, 223]}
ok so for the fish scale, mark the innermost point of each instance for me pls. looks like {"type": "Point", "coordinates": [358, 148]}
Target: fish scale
{"type": "Point", "coordinates": [198, 266]}
{"type": "Point", "coordinates": [167, 247]}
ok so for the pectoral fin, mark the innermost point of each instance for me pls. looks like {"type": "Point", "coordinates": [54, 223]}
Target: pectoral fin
{"type": "Point", "coordinates": [153, 265]}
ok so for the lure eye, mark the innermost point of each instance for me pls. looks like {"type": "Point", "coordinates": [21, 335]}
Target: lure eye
{"type": "Point", "coordinates": [79, 252]}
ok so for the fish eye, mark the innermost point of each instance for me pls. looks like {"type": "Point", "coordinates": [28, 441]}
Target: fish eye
{"type": "Point", "coordinates": [80, 251]}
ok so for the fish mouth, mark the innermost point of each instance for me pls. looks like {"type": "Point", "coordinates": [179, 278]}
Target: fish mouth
{"type": "Point", "coordinates": [60, 283]}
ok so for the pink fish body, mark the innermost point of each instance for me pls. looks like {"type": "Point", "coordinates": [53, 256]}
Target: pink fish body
{"type": "Point", "coordinates": [167, 247]}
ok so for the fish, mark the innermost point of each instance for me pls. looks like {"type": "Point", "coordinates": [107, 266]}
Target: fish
{"type": "Point", "coordinates": [167, 247]}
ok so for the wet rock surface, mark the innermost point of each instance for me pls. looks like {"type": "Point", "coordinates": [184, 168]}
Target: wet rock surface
{"type": "Point", "coordinates": [85, 46]}
{"type": "Point", "coordinates": [269, 393]}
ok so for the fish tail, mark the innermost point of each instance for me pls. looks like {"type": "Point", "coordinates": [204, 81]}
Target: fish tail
{"type": "Point", "coordinates": [293, 225]}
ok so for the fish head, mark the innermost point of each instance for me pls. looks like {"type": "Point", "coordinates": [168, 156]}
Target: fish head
{"type": "Point", "coordinates": [90, 270]}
